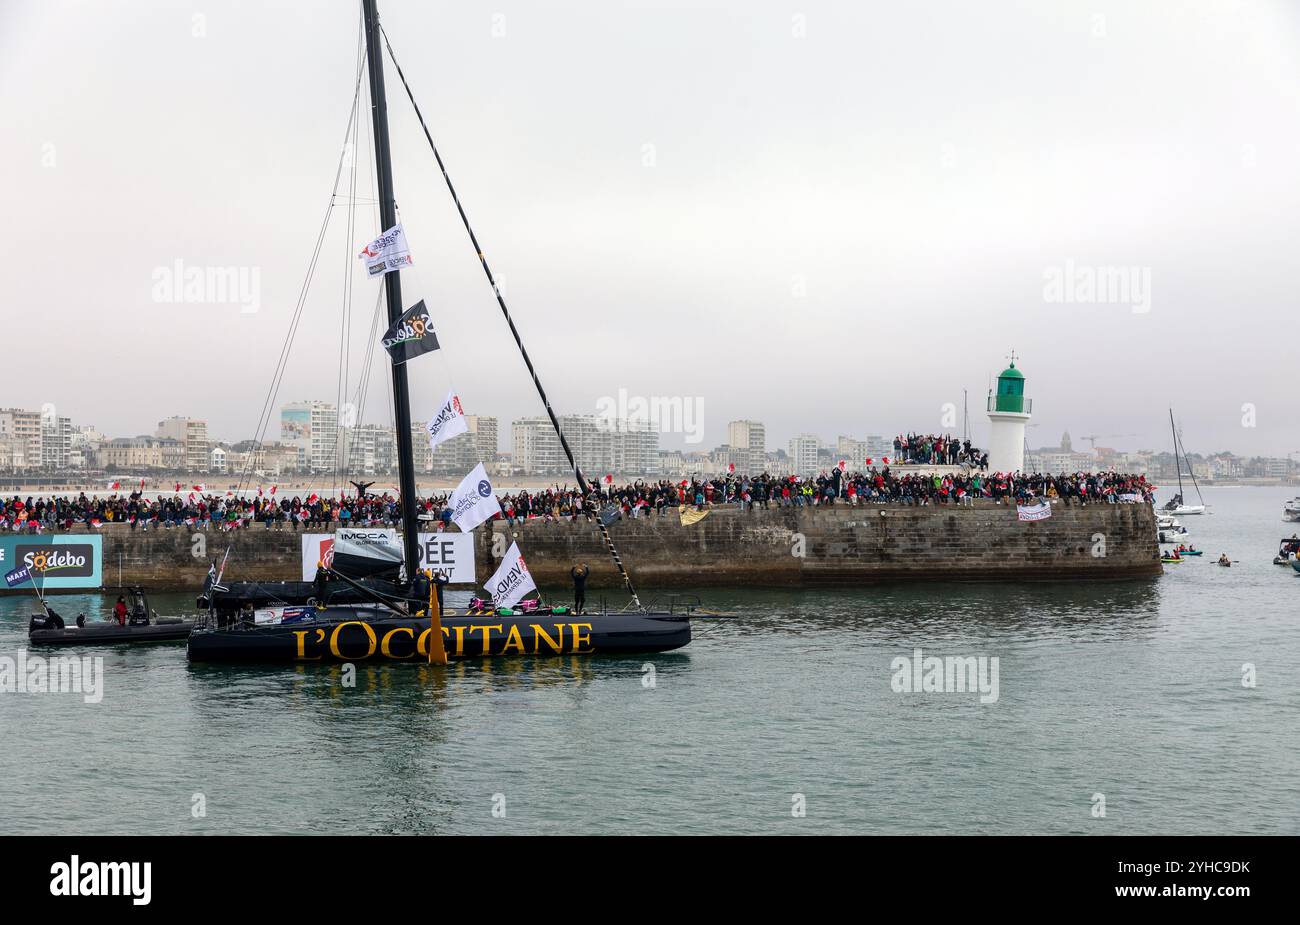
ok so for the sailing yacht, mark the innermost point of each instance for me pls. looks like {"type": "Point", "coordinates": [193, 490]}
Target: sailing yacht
{"type": "Point", "coordinates": [1177, 505]}
{"type": "Point", "coordinates": [371, 600]}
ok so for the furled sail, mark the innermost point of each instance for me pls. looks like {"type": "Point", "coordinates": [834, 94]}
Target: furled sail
{"type": "Point", "coordinates": [366, 554]}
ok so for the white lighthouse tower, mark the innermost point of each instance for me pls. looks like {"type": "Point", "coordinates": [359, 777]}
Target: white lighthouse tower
{"type": "Point", "coordinates": [1009, 412]}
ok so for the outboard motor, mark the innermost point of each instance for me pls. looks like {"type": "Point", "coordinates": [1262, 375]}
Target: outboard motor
{"type": "Point", "coordinates": [51, 622]}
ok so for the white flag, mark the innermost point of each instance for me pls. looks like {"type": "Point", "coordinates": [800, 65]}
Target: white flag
{"type": "Point", "coordinates": [448, 422]}
{"type": "Point", "coordinates": [1040, 510]}
{"type": "Point", "coordinates": [387, 252]}
{"type": "Point", "coordinates": [512, 580]}
{"type": "Point", "coordinates": [473, 501]}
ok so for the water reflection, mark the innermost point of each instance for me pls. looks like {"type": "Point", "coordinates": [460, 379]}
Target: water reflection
{"type": "Point", "coordinates": [1074, 611]}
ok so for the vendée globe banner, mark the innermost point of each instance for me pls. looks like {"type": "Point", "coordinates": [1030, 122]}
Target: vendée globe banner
{"type": "Point", "coordinates": [451, 552]}
{"type": "Point", "coordinates": [54, 561]}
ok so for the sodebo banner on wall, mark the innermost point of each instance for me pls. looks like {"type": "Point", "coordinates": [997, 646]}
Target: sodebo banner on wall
{"type": "Point", "coordinates": [451, 552]}
{"type": "Point", "coordinates": [54, 561]}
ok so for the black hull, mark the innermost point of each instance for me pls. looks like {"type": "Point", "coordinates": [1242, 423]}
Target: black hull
{"type": "Point", "coordinates": [111, 634]}
{"type": "Point", "coordinates": [344, 634]}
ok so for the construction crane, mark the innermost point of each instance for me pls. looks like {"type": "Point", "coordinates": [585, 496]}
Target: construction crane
{"type": "Point", "coordinates": [1093, 438]}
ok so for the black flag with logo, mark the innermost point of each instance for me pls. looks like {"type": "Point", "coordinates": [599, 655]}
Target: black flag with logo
{"type": "Point", "coordinates": [411, 335]}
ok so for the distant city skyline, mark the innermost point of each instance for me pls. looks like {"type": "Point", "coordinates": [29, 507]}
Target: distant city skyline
{"type": "Point", "coordinates": [312, 441]}
{"type": "Point", "coordinates": [1039, 434]}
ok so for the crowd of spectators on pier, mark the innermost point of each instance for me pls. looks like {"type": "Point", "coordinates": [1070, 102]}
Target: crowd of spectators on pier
{"type": "Point", "coordinates": [875, 484]}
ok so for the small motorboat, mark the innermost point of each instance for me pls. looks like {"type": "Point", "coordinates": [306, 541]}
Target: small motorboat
{"type": "Point", "coordinates": [1287, 550]}
{"type": "Point", "coordinates": [1291, 510]}
{"type": "Point", "coordinates": [143, 625]}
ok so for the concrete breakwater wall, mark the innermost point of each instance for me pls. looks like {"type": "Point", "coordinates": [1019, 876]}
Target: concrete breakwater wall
{"type": "Point", "coordinates": [782, 546]}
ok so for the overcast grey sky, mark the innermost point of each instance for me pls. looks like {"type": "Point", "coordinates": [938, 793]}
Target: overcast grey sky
{"type": "Point", "coordinates": [848, 217]}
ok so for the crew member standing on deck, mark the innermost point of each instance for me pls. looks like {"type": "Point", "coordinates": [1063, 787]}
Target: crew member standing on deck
{"type": "Point", "coordinates": [119, 611]}
{"type": "Point", "coordinates": [579, 576]}
{"type": "Point", "coordinates": [440, 580]}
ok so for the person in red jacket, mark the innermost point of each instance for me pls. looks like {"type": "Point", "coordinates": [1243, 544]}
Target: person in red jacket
{"type": "Point", "coordinates": [119, 611]}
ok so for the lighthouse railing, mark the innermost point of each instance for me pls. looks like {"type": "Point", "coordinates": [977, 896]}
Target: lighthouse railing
{"type": "Point", "coordinates": [1008, 403]}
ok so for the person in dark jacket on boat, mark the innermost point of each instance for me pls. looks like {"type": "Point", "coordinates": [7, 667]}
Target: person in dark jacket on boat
{"type": "Point", "coordinates": [318, 583]}
{"type": "Point", "coordinates": [440, 580]}
{"type": "Point", "coordinates": [579, 576]}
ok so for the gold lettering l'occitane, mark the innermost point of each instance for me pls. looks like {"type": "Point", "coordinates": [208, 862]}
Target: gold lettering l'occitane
{"type": "Point", "coordinates": [579, 639]}
{"type": "Point", "coordinates": [540, 634]}
{"type": "Point", "coordinates": [302, 644]}
{"type": "Point", "coordinates": [334, 640]}
{"type": "Point", "coordinates": [487, 635]}
{"type": "Point", "coordinates": [513, 639]}
{"type": "Point", "coordinates": [460, 640]}
{"type": "Point", "coordinates": [385, 645]}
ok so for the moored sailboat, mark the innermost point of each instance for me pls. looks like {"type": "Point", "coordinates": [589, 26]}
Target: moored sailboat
{"type": "Point", "coordinates": [1176, 505]}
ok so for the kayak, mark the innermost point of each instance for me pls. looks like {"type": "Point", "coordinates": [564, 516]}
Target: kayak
{"type": "Point", "coordinates": [1169, 561]}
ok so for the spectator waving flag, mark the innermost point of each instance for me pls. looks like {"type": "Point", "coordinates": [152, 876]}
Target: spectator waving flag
{"type": "Point", "coordinates": [448, 422]}
{"type": "Point", "coordinates": [473, 501]}
{"type": "Point", "coordinates": [387, 253]}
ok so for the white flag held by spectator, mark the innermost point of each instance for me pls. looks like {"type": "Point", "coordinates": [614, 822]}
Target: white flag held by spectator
{"type": "Point", "coordinates": [448, 422]}
{"type": "Point", "coordinates": [1039, 510]}
{"type": "Point", "coordinates": [473, 501]}
{"type": "Point", "coordinates": [512, 580]}
{"type": "Point", "coordinates": [387, 252]}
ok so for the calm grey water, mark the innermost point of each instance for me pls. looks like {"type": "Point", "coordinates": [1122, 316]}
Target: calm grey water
{"type": "Point", "coordinates": [1130, 690]}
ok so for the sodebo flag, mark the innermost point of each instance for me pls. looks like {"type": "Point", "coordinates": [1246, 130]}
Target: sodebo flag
{"type": "Point", "coordinates": [512, 580]}
{"type": "Point", "coordinates": [448, 422]}
{"type": "Point", "coordinates": [387, 252]}
{"type": "Point", "coordinates": [411, 335]}
{"type": "Point", "coordinates": [473, 501]}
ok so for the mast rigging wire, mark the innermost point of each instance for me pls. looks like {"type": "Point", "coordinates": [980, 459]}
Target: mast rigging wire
{"type": "Point", "coordinates": [577, 470]}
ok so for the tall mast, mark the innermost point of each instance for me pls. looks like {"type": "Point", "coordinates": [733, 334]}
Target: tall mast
{"type": "Point", "coordinates": [1177, 465]}
{"type": "Point", "coordinates": [392, 287]}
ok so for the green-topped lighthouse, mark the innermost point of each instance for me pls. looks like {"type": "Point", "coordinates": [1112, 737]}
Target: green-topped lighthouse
{"type": "Point", "coordinates": [1011, 390]}
{"type": "Point", "coordinates": [1009, 411]}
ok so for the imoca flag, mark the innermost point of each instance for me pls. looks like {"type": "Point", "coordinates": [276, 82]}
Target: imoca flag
{"type": "Point", "coordinates": [512, 580]}
{"type": "Point", "coordinates": [473, 501]}
{"type": "Point", "coordinates": [387, 252]}
{"type": "Point", "coordinates": [411, 335]}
